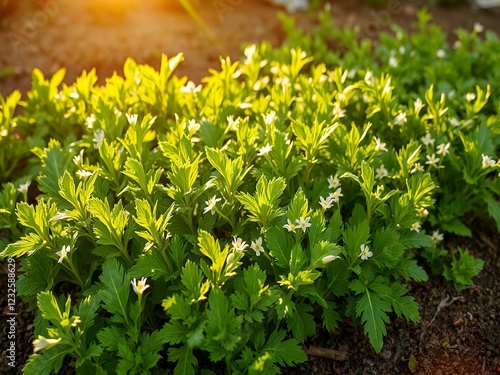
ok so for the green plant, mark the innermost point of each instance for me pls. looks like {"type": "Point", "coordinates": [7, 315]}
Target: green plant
{"type": "Point", "coordinates": [244, 213]}
{"type": "Point", "coordinates": [462, 269]}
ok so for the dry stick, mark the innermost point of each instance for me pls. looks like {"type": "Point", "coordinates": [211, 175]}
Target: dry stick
{"type": "Point", "coordinates": [335, 355]}
{"type": "Point", "coordinates": [444, 303]}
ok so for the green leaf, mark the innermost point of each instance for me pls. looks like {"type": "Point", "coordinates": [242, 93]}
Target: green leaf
{"type": "Point", "coordinates": [231, 172]}
{"type": "Point", "coordinates": [110, 225]}
{"type": "Point", "coordinates": [416, 240]}
{"type": "Point", "coordinates": [409, 269]}
{"type": "Point", "coordinates": [354, 236]}
{"type": "Point", "coordinates": [49, 307]}
{"type": "Point", "coordinates": [463, 269]}
{"type": "Point", "coordinates": [186, 361]}
{"type": "Point", "coordinates": [54, 163]}
{"type": "Point", "coordinates": [299, 206]}
{"type": "Point", "coordinates": [38, 275]}
{"type": "Point", "coordinates": [87, 311]}
{"type": "Point", "coordinates": [403, 305]}
{"type": "Point", "coordinates": [151, 264]}
{"type": "Point", "coordinates": [46, 363]}
{"type": "Point", "coordinates": [263, 206]}
{"type": "Point", "coordinates": [301, 322]}
{"type": "Point", "coordinates": [331, 317]}
{"type": "Point", "coordinates": [387, 247]}
{"type": "Point", "coordinates": [372, 309]}
{"type": "Point", "coordinates": [279, 245]}
{"type": "Point", "coordinates": [285, 352]}
{"type": "Point", "coordinates": [192, 279]}
{"type": "Point", "coordinates": [493, 208]}
{"type": "Point", "coordinates": [151, 344]}
{"type": "Point", "coordinates": [109, 338]}
{"type": "Point", "coordinates": [27, 244]}
{"type": "Point", "coordinates": [209, 246]}
{"type": "Point", "coordinates": [223, 328]}
{"type": "Point", "coordinates": [175, 332]}
{"type": "Point", "coordinates": [115, 290]}
{"type": "Point", "coordinates": [338, 277]}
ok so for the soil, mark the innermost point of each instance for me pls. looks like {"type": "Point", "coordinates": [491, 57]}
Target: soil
{"type": "Point", "coordinates": [458, 334]}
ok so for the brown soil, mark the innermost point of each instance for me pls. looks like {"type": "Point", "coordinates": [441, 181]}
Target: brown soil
{"type": "Point", "coordinates": [464, 336]}
{"type": "Point", "coordinates": [82, 35]}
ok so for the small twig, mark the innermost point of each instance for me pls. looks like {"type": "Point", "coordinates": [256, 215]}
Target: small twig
{"type": "Point", "coordinates": [444, 303]}
{"type": "Point", "coordinates": [335, 355]}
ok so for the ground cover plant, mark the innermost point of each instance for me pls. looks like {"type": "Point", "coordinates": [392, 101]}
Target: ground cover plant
{"type": "Point", "coordinates": [222, 223]}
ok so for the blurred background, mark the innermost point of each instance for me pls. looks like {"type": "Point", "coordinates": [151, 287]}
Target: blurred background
{"type": "Point", "coordinates": [101, 34]}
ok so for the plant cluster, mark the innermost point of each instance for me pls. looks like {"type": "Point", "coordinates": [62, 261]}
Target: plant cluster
{"type": "Point", "coordinates": [291, 190]}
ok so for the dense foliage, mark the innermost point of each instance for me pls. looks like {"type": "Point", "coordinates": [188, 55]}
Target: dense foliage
{"type": "Point", "coordinates": [295, 188]}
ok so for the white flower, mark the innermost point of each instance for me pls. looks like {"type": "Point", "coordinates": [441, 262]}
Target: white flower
{"type": "Point", "coordinates": [303, 223]}
{"type": "Point", "coordinates": [417, 168]}
{"type": "Point", "coordinates": [269, 118]}
{"type": "Point", "coordinates": [139, 286]}
{"type": "Point", "coordinates": [190, 88]}
{"type": "Point", "coordinates": [440, 53]}
{"type": "Point", "coordinates": [369, 78]}
{"type": "Point", "coordinates": [264, 150]}
{"type": "Point", "coordinates": [44, 343]}
{"type": "Point", "coordinates": [232, 123]}
{"type": "Point", "coordinates": [329, 258]}
{"type": "Point", "coordinates": [365, 252]}
{"type": "Point", "coordinates": [89, 121]}
{"type": "Point", "coordinates": [249, 52]}
{"type": "Point", "coordinates": [335, 196]}
{"type": "Point", "coordinates": [422, 212]}
{"type": "Point", "coordinates": [457, 44]}
{"type": "Point", "coordinates": [393, 62]}
{"type": "Point", "coordinates": [193, 126]}
{"type": "Point", "coordinates": [59, 216]}
{"type": "Point", "coordinates": [337, 110]}
{"type": "Point", "coordinates": [443, 149]}
{"type": "Point", "coordinates": [23, 188]}
{"type": "Point", "coordinates": [98, 138]}
{"type": "Point", "coordinates": [78, 159]}
{"type": "Point", "coordinates": [418, 104]}
{"type": "Point", "coordinates": [436, 236]}
{"type": "Point", "coordinates": [478, 28]}
{"type": "Point", "coordinates": [63, 253]}
{"type": "Point", "coordinates": [132, 118]}
{"type": "Point", "coordinates": [415, 227]}
{"type": "Point", "coordinates": [211, 203]}
{"type": "Point", "coordinates": [257, 246]}
{"type": "Point", "coordinates": [487, 161]}
{"type": "Point", "coordinates": [74, 94]}
{"type": "Point", "coordinates": [381, 172]}
{"type": "Point", "coordinates": [470, 96]}
{"type": "Point", "coordinates": [379, 145]}
{"type": "Point", "coordinates": [333, 181]}
{"type": "Point", "coordinates": [325, 203]}
{"type": "Point", "coordinates": [401, 50]}
{"type": "Point", "coordinates": [290, 226]}
{"type": "Point", "coordinates": [400, 119]}
{"type": "Point", "coordinates": [427, 140]}
{"type": "Point", "coordinates": [83, 174]}
{"type": "Point", "coordinates": [454, 122]}
{"type": "Point", "coordinates": [229, 258]}
{"type": "Point", "coordinates": [432, 160]}
{"type": "Point", "coordinates": [239, 244]}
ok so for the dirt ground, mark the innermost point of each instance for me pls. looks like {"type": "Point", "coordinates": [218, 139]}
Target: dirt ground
{"type": "Point", "coordinates": [464, 337]}
{"type": "Point", "coordinates": [95, 33]}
